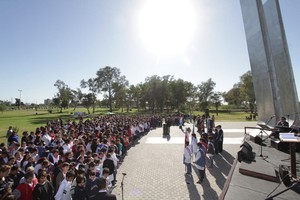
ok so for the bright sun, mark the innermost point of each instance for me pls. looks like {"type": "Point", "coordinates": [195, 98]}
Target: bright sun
{"type": "Point", "coordinates": [167, 26]}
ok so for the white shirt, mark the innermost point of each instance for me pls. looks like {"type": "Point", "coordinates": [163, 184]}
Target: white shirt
{"type": "Point", "coordinates": [64, 191]}
{"type": "Point", "coordinates": [66, 148]}
{"type": "Point", "coordinates": [194, 145]}
{"type": "Point", "coordinates": [37, 168]}
{"type": "Point", "coordinates": [46, 138]}
{"type": "Point", "coordinates": [88, 147]}
{"type": "Point", "coordinates": [187, 155]}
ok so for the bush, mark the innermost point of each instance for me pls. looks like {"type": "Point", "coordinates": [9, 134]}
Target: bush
{"type": "Point", "coordinates": [3, 108]}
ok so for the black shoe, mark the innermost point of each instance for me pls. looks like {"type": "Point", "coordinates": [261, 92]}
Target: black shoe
{"type": "Point", "coordinates": [199, 182]}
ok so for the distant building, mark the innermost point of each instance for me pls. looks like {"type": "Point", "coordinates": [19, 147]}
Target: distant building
{"type": "Point", "coordinates": [47, 102]}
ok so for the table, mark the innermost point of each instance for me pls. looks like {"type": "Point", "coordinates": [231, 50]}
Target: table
{"type": "Point", "coordinates": [292, 139]}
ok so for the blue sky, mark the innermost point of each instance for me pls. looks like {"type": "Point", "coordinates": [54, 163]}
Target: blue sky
{"type": "Point", "coordinates": [70, 40]}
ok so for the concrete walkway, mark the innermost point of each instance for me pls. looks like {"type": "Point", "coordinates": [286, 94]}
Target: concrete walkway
{"type": "Point", "coordinates": [154, 168]}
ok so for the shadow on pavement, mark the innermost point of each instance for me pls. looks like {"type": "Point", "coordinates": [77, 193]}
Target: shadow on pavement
{"type": "Point", "coordinates": [190, 184]}
{"type": "Point", "coordinates": [223, 162]}
{"type": "Point", "coordinates": [208, 191]}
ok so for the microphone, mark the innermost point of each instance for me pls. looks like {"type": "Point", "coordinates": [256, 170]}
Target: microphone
{"type": "Point", "coordinates": [124, 174]}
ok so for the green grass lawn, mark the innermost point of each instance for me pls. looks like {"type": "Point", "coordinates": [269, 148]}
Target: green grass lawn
{"type": "Point", "coordinates": [233, 116]}
{"type": "Point", "coordinates": [29, 120]}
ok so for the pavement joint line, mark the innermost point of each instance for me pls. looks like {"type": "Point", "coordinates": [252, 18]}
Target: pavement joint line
{"type": "Point", "coordinates": [180, 140]}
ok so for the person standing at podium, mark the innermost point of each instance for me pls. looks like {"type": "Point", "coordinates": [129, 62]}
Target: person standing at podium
{"type": "Point", "coordinates": [283, 122]}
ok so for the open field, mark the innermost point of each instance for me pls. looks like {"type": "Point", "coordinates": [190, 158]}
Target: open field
{"type": "Point", "coordinates": [29, 120]}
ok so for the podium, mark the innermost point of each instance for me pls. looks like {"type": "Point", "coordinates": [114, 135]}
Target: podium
{"type": "Point", "coordinates": [292, 140]}
{"type": "Point", "coordinates": [166, 130]}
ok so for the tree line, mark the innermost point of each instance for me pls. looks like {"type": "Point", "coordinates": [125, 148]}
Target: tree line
{"type": "Point", "coordinates": [156, 94]}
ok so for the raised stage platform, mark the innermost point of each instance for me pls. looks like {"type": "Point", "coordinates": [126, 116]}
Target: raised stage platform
{"type": "Point", "coordinates": [261, 176]}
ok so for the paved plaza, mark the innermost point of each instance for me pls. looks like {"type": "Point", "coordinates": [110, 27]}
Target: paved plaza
{"type": "Point", "coordinates": [154, 167]}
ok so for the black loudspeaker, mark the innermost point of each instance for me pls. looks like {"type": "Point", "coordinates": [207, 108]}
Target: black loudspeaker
{"type": "Point", "coordinates": [284, 175]}
{"type": "Point", "coordinates": [258, 140]}
{"type": "Point", "coordinates": [247, 145]}
{"type": "Point", "coordinates": [245, 152]}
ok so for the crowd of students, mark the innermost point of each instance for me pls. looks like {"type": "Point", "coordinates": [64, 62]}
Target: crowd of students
{"type": "Point", "coordinates": [69, 160]}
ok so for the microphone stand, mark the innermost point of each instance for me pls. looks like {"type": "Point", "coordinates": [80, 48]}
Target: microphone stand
{"type": "Point", "coordinates": [283, 191]}
{"type": "Point", "coordinates": [122, 185]}
{"type": "Point", "coordinates": [261, 136]}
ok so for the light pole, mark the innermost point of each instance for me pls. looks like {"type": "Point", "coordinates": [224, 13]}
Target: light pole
{"type": "Point", "coordinates": [20, 91]}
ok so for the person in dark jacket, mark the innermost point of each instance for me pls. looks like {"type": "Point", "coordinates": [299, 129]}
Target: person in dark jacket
{"type": "Point", "coordinates": [80, 192]}
{"type": "Point", "coordinates": [44, 189]}
{"type": "Point", "coordinates": [109, 163]}
{"type": "Point", "coordinates": [91, 185]}
{"type": "Point", "coordinates": [102, 193]}
{"type": "Point", "coordinates": [200, 162]}
{"type": "Point", "coordinates": [220, 138]}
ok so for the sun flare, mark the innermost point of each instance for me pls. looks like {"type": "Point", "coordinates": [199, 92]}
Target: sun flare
{"type": "Point", "coordinates": [167, 26]}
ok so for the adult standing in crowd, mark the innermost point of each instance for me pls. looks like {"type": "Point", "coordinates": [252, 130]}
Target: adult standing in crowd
{"type": "Point", "coordinates": [216, 140]}
{"type": "Point", "coordinates": [220, 138]}
{"type": "Point", "coordinates": [102, 193]}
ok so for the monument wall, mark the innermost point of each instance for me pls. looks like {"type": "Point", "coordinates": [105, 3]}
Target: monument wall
{"type": "Point", "coordinates": [272, 72]}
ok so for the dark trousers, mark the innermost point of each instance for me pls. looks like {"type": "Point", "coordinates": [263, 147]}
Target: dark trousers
{"type": "Point", "coordinates": [220, 146]}
{"type": "Point", "coordinates": [201, 174]}
{"type": "Point", "coordinates": [216, 144]}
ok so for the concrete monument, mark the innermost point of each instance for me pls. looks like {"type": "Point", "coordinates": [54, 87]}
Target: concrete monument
{"type": "Point", "coordinates": [273, 79]}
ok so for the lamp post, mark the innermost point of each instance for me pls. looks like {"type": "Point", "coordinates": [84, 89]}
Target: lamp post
{"type": "Point", "coordinates": [20, 91]}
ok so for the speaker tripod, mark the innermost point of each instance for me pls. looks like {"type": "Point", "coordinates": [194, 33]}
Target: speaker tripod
{"type": "Point", "coordinates": [122, 185]}
{"type": "Point", "coordinates": [261, 144]}
{"type": "Point", "coordinates": [296, 184]}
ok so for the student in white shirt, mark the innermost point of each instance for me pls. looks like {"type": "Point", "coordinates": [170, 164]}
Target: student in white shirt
{"type": "Point", "coordinates": [187, 158]}
{"type": "Point", "coordinates": [64, 191]}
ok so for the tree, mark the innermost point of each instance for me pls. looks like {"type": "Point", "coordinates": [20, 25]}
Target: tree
{"type": "Point", "coordinates": [18, 103]}
{"type": "Point", "coordinates": [135, 93]}
{"type": "Point", "coordinates": [143, 99]}
{"type": "Point", "coordinates": [92, 85]}
{"type": "Point", "coordinates": [153, 93]}
{"type": "Point", "coordinates": [77, 96]}
{"type": "Point", "coordinates": [247, 90]}
{"type": "Point", "coordinates": [191, 98]}
{"type": "Point", "coordinates": [180, 91]}
{"type": "Point", "coordinates": [106, 77]}
{"type": "Point", "coordinates": [3, 107]}
{"type": "Point", "coordinates": [205, 90]}
{"type": "Point", "coordinates": [216, 99]}
{"type": "Point", "coordinates": [233, 96]}
{"type": "Point", "coordinates": [64, 94]}
{"type": "Point", "coordinates": [121, 95]}
{"type": "Point", "coordinates": [56, 103]}
{"type": "Point", "coordinates": [87, 101]}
